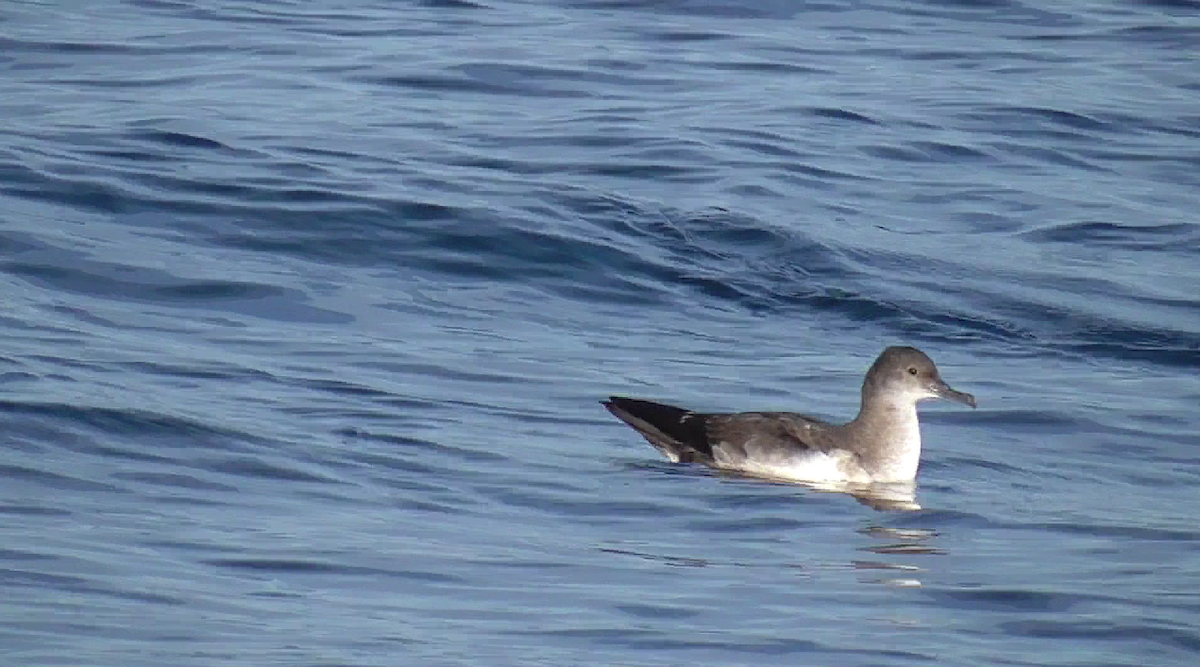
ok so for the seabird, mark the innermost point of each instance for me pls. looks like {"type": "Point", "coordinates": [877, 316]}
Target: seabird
{"type": "Point", "coordinates": [881, 445]}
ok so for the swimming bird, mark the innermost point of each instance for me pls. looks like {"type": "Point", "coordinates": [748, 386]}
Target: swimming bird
{"type": "Point", "coordinates": [881, 445]}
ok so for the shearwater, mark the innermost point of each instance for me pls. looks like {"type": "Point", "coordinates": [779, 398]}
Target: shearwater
{"type": "Point", "coordinates": [881, 445]}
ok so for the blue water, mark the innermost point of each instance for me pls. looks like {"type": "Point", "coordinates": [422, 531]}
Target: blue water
{"type": "Point", "coordinates": [308, 307]}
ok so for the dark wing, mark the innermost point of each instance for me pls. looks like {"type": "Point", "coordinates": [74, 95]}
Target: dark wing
{"type": "Point", "coordinates": [681, 435]}
{"type": "Point", "coordinates": [765, 436]}
{"type": "Point", "coordinates": [685, 436]}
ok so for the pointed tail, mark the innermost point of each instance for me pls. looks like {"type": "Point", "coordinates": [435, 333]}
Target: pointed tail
{"type": "Point", "coordinates": [681, 435]}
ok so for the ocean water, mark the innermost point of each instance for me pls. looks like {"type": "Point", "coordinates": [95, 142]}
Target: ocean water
{"type": "Point", "coordinates": [308, 307]}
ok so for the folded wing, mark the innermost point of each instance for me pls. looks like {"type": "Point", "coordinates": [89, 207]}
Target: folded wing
{"type": "Point", "coordinates": [721, 440]}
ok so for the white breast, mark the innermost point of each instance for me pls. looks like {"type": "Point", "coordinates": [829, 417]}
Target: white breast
{"type": "Point", "coordinates": [902, 450]}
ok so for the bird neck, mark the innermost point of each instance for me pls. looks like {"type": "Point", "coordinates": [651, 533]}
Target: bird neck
{"type": "Point", "coordinates": [890, 436]}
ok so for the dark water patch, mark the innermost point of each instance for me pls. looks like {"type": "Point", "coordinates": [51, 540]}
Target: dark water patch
{"type": "Point", "coordinates": [151, 82]}
{"type": "Point", "coordinates": [399, 464]}
{"type": "Point", "coordinates": [749, 644]}
{"type": "Point", "coordinates": [769, 67]}
{"type": "Point", "coordinates": [1166, 34]}
{"type": "Point", "coordinates": [1170, 237]}
{"type": "Point", "coordinates": [744, 525]}
{"type": "Point", "coordinates": [951, 152]}
{"type": "Point", "coordinates": [428, 507]}
{"type": "Point", "coordinates": [703, 644]}
{"type": "Point", "coordinates": [776, 145]}
{"type": "Point", "coordinates": [722, 228]}
{"type": "Point", "coordinates": [280, 565]}
{"type": "Point", "coordinates": [127, 424]}
{"type": "Point", "coordinates": [73, 48]}
{"type": "Point", "coordinates": [500, 165]}
{"type": "Point", "coordinates": [979, 13]}
{"type": "Point", "coordinates": [835, 113]}
{"type": "Point", "coordinates": [851, 305]}
{"type": "Point", "coordinates": [1049, 156]}
{"type": "Point", "coordinates": [174, 481]}
{"type": "Point", "coordinates": [510, 73]}
{"type": "Point", "coordinates": [657, 612]}
{"type": "Point", "coordinates": [1051, 126]}
{"type": "Point", "coordinates": [985, 464]}
{"type": "Point", "coordinates": [1054, 117]}
{"type": "Point", "coordinates": [420, 211]}
{"type": "Point", "coordinates": [453, 4]}
{"type": "Point", "coordinates": [647, 170]}
{"type": "Point", "coordinates": [15, 243]}
{"type": "Point", "coordinates": [1160, 348]}
{"type": "Point", "coordinates": [14, 577]}
{"type": "Point", "coordinates": [897, 153]}
{"type": "Point", "coordinates": [621, 292]}
{"type": "Point", "coordinates": [71, 272]}
{"type": "Point", "coordinates": [664, 467]}
{"type": "Point", "coordinates": [33, 510]}
{"type": "Point", "coordinates": [906, 549]}
{"type": "Point", "coordinates": [173, 140]}
{"type": "Point", "coordinates": [735, 253]}
{"type": "Point", "coordinates": [257, 468]}
{"type": "Point", "coordinates": [339, 387]}
{"type": "Point", "coordinates": [465, 83]}
{"type": "Point", "coordinates": [758, 501]}
{"type": "Point", "coordinates": [715, 288]}
{"type": "Point", "coordinates": [13, 555]}
{"type": "Point", "coordinates": [1008, 601]}
{"type": "Point", "coordinates": [52, 480]}
{"type": "Point", "coordinates": [296, 566]}
{"type": "Point", "coordinates": [973, 4]}
{"type": "Point", "coordinates": [262, 199]}
{"type": "Point", "coordinates": [437, 490]}
{"type": "Point", "coordinates": [1146, 631]}
{"type": "Point", "coordinates": [477, 374]}
{"type": "Point", "coordinates": [391, 406]}
{"type": "Point", "coordinates": [124, 451]}
{"type": "Point", "coordinates": [198, 370]}
{"type": "Point", "coordinates": [215, 290]}
{"type": "Point", "coordinates": [726, 9]}
{"type": "Point", "coordinates": [79, 585]}
{"type": "Point", "coordinates": [471, 247]}
{"type": "Point", "coordinates": [408, 443]}
{"type": "Point", "coordinates": [16, 377]}
{"type": "Point", "coordinates": [80, 315]}
{"type": "Point", "coordinates": [940, 520]}
{"type": "Point", "coordinates": [86, 194]}
{"type": "Point", "coordinates": [191, 502]}
{"type": "Point", "coordinates": [1034, 421]}
{"type": "Point", "coordinates": [191, 547]}
{"type": "Point", "coordinates": [112, 155]}
{"type": "Point", "coordinates": [684, 35]}
{"type": "Point", "coordinates": [1115, 532]}
{"type": "Point", "coordinates": [1173, 4]}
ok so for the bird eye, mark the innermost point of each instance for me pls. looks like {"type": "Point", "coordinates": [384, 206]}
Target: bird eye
{"type": "Point", "coordinates": [912, 370]}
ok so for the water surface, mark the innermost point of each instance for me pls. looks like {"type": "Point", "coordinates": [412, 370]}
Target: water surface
{"type": "Point", "coordinates": [309, 308]}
